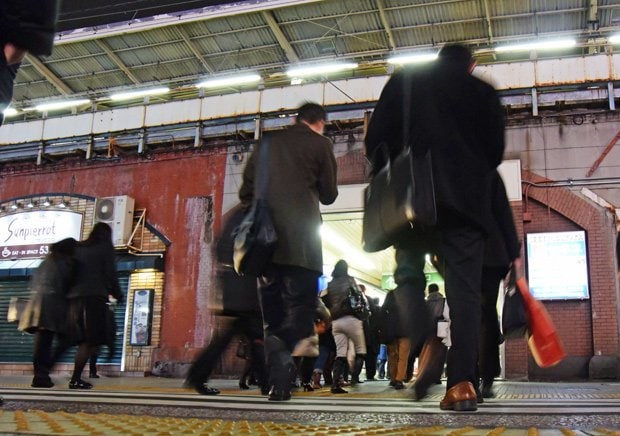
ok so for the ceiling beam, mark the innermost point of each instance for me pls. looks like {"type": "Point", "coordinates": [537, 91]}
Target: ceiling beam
{"type": "Point", "coordinates": [192, 46]}
{"type": "Point", "coordinates": [119, 63]}
{"type": "Point", "coordinates": [487, 19]}
{"type": "Point", "coordinates": [386, 24]}
{"type": "Point", "coordinates": [49, 75]}
{"type": "Point", "coordinates": [284, 43]}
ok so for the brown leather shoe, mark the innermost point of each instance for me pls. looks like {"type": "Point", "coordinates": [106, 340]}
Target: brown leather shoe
{"type": "Point", "coordinates": [460, 397]}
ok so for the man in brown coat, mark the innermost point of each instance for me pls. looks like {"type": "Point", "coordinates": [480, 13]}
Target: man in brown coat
{"type": "Point", "coordinates": [302, 173]}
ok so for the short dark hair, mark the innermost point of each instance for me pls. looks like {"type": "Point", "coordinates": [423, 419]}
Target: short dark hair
{"type": "Point", "coordinates": [456, 53]}
{"type": "Point", "coordinates": [341, 269]}
{"type": "Point", "coordinates": [433, 287]}
{"type": "Point", "coordinates": [311, 113]}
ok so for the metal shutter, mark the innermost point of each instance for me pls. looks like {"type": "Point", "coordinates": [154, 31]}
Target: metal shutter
{"type": "Point", "coordinates": [16, 347]}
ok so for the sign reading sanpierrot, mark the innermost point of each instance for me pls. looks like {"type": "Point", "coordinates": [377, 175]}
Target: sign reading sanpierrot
{"type": "Point", "coordinates": [28, 235]}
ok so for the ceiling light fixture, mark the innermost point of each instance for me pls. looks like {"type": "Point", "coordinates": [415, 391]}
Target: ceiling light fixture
{"type": "Point", "coordinates": [10, 112]}
{"type": "Point", "coordinates": [223, 82]}
{"type": "Point", "coordinates": [412, 58]}
{"type": "Point", "coordinates": [139, 94]}
{"type": "Point", "coordinates": [317, 70]}
{"type": "Point", "coordinates": [57, 105]}
{"type": "Point", "coordinates": [538, 45]}
{"type": "Point", "coordinates": [614, 39]}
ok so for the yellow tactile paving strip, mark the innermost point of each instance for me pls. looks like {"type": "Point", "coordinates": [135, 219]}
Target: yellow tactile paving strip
{"type": "Point", "coordinates": [48, 423]}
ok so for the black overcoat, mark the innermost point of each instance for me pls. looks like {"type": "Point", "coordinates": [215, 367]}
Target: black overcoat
{"type": "Point", "coordinates": [455, 115]}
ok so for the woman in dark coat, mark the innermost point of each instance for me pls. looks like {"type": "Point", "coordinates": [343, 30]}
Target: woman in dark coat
{"type": "Point", "coordinates": [45, 314]}
{"type": "Point", "coordinates": [95, 280]}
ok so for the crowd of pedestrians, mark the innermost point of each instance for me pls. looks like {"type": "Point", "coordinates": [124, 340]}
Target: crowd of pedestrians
{"type": "Point", "coordinates": [299, 335]}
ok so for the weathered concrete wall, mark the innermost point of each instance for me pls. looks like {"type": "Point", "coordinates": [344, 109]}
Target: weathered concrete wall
{"type": "Point", "coordinates": [566, 147]}
{"type": "Point", "coordinates": [182, 193]}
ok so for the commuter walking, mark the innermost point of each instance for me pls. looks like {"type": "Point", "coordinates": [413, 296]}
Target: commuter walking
{"type": "Point", "coordinates": [501, 250]}
{"type": "Point", "coordinates": [347, 325]}
{"type": "Point", "coordinates": [45, 314]}
{"type": "Point", "coordinates": [302, 174]}
{"type": "Point", "coordinates": [371, 334]}
{"type": "Point", "coordinates": [459, 119]}
{"type": "Point", "coordinates": [397, 339]}
{"type": "Point", "coordinates": [95, 280]}
{"type": "Point", "coordinates": [243, 317]}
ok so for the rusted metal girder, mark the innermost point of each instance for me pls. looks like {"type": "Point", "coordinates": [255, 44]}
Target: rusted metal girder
{"type": "Point", "coordinates": [605, 152]}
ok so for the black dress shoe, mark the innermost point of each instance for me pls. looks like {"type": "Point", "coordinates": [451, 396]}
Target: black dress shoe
{"type": "Point", "coordinates": [278, 394]}
{"type": "Point", "coordinates": [204, 389]}
{"type": "Point", "coordinates": [487, 389]}
{"type": "Point", "coordinates": [79, 384]}
{"type": "Point", "coordinates": [42, 384]}
{"type": "Point", "coordinates": [338, 390]}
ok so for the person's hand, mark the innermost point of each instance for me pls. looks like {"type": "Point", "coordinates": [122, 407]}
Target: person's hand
{"type": "Point", "coordinates": [518, 264]}
{"type": "Point", "coordinates": [13, 54]}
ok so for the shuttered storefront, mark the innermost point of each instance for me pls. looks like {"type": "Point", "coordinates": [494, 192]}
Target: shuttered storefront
{"type": "Point", "coordinates": [16, 346]}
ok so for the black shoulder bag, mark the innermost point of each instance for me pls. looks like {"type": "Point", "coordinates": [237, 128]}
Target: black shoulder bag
{"type": "Point", "coordinates": [256, 238]}
{"type": "Point", "coordinates": [400, 193]}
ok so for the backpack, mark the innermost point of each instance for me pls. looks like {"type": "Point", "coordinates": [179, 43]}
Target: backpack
{"type": "Point", "coordinates": [355, 303]}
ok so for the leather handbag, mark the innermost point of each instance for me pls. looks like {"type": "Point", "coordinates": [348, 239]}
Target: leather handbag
{"type": "Point", "coordinates": [514, 317]}
{"type": "Point", "coordinates": [255, 239]}
{"type": "Point", "coordinates": [400, 194]}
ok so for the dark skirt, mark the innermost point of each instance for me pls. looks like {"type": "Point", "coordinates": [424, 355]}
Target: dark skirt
{"type": "Point", "coordinates": [88, 320]}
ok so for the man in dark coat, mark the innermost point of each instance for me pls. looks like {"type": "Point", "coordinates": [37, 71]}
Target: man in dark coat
{"type": "Point", "coordinates": [501, 250]}
{"type": "Point", "coordinates": [302, 173]}
{"type": "Point", "coordinates": [25, 26]}
{"type": "Point", "coordinates": [459, 119]}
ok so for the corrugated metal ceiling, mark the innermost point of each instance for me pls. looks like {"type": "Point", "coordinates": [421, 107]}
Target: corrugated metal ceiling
{"type": "Point", "coordinates": [269, 40]}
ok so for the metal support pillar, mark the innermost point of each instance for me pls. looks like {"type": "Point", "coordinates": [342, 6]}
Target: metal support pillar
{"type": "Point", "coordinates": [198, 135]}
{"type": "Point", "coordinates": [40, 153]}
{"type": "Point", "coordinates": [90, 147]}
{"type": "Point", "coordinates": [142, 142]}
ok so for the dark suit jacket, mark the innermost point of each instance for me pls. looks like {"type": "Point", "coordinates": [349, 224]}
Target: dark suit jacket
{"type": "Point", "coordinates": [455, 115]}
{"type": "Point", "coordinates": [302, 173]}
{"type": "Point", "coordinates": [502, 245]}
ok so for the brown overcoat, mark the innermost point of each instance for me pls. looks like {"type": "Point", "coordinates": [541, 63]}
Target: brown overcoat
{"type": "Point", "coordinates": [302, 173]}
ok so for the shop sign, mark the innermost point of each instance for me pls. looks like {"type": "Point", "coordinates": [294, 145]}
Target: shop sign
{"type": "Point", "coordinates": [28, 235]}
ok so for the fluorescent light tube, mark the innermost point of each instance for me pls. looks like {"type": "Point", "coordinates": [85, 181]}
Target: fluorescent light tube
{"type": "Point", "coordinates": [138, 94]}
{"type": "Point", "coordinates": [60, 105]}
{"type": "Point", "coordinates": [223, 82]}
{"type": "Point", "coordinates": [315, 70]}
{"type": "Point", "coordinates": [538, 45]}
{"type": "Point", "coordinates": [10, 112]}
{"type": "Point", "coordinates": [412, 58]}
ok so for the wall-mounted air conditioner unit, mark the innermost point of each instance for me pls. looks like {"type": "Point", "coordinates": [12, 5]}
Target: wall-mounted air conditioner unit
{"type": "Point", "coordinates": [117, 212]}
